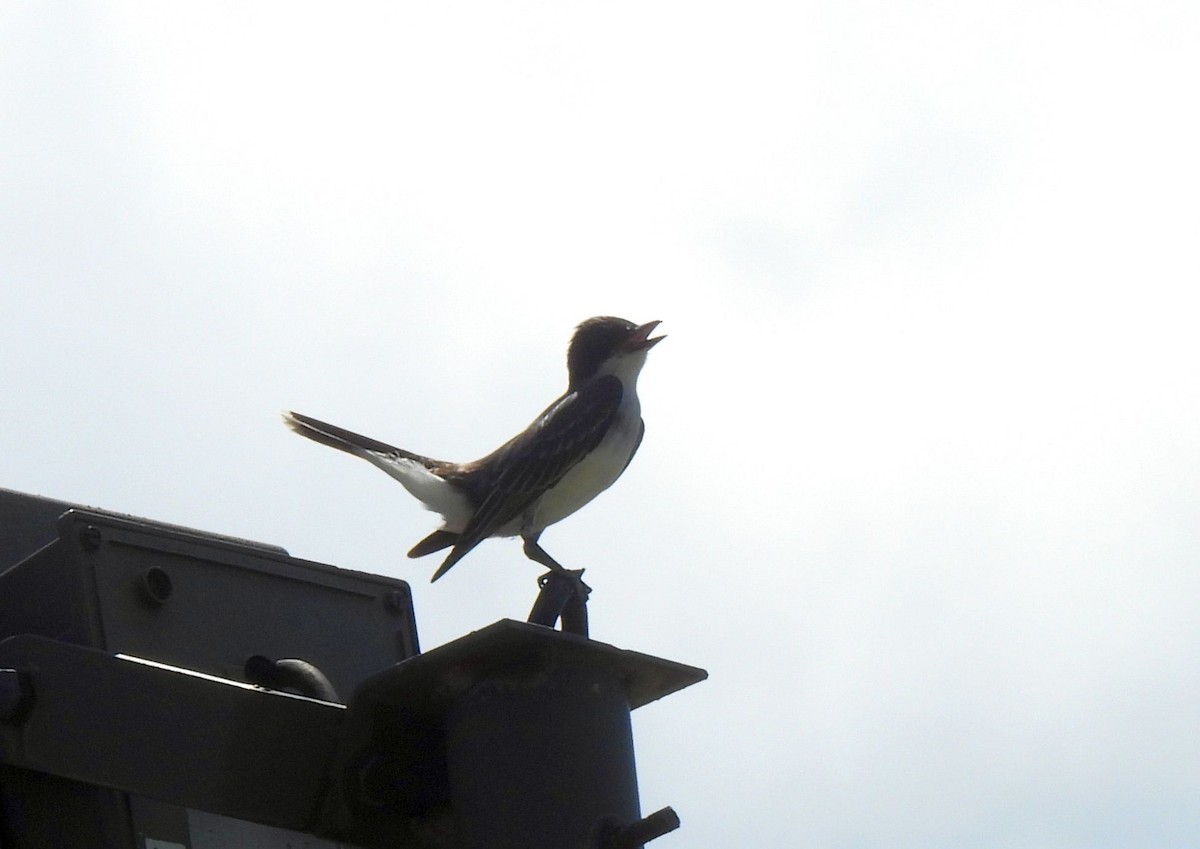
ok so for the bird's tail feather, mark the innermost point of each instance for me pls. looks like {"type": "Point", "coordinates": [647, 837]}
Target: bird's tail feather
{"type": "Point", "coordinates": [436, 541]}
{"type": "Point", "coordinates": [456, 555]}
{"type": "Point", "coordinates": [393, 461]}
{"type": "Point", "coordinates": [345, 440]}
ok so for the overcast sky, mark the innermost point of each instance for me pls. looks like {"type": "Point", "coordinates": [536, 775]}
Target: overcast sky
{"type": "Point", "coordinates": [921, 479]}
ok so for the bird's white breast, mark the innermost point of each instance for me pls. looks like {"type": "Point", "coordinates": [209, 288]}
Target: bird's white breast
{"type": "Point", "coordinates": [594, 473]}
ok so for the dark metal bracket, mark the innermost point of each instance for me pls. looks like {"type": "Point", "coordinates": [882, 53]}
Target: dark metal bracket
{"type": "Point", "coordinates": [132, 724]}
{"type": "Point", "coordinates": [125, 707]}
{"type": "Point", "coordinates": [543, 714]}
{"type": "Point", "coordinates": [413, 761]}
{"type": "Point", "coordinates": [563, 596]}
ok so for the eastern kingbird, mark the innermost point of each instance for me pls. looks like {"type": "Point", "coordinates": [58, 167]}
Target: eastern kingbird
{"type": "Point", "coordinates": [571, 453]}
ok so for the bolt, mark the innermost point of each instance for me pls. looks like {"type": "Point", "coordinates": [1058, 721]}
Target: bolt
{"type": "Point", "coordinates": [643, 831]}
{"type": "Point", "coordinates": [156, 586]}
{"type": "Point", "coordinates": [90, 537]}
{"type": "Point", "coordinates": [16, 695]}
{"type": "Point", "coordinates": [395, 602]}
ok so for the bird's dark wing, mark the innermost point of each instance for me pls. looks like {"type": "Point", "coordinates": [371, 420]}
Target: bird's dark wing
{"type": "Point", "coordinates": [533, 462]}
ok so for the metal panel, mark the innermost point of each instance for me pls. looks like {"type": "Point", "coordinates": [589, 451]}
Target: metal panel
{"type": "Point", "coordinates": [181, 596]}
{"type": "Point", "coordinates": [414, 733]}
{"type": "Point", "coordinates": [169, 734]}
{"type": "Point", "coordinates": [203, 601]}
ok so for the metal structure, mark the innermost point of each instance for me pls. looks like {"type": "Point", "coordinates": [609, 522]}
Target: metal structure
{"type": "Point", "coordinates": [164, 688]}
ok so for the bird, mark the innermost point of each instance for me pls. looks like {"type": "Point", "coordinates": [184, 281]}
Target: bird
{"type": "Point", "coordinates": [574, 450]}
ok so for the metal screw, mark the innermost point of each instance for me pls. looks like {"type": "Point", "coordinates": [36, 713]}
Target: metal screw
{"type": "Point", "coordinates": [90, 538]}
{"type": "Point", "coordinates": [156, 586]}
{"type": "Point", "coordinates": [16, 695]}
{"type": "Point", "coordinates": [394, 602]}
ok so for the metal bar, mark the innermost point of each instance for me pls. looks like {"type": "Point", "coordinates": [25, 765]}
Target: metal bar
{"type": "Point", "coordinates": [563, 595]}
{"type": "Point", "coordinates": [635, 835]}
{"type": "Point", "coordinates": [182, 737]}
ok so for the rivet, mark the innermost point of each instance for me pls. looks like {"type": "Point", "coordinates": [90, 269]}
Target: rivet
{"type": "Point", "coordinates": [394, 602]}
{"type": "Point", "coordinates": [90, 537]}
{"type": "Point", "coordinates": [156, 586]}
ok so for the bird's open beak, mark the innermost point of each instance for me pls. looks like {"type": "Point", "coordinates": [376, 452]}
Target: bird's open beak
{"type": "Point", "coordinates": [640, 339]}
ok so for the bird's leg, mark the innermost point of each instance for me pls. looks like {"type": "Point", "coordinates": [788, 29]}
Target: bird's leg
{"type": "Point", "coordinates": [564, 594]}
{"type": "Point", "coordinates": [538, 555]}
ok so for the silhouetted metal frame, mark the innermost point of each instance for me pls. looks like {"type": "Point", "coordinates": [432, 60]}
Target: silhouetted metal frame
{"type": "Point", "coordinates": [472, 740]}
{"type": "Point", "coordinates": [516, 735]}
{"type": "Point", "coordinates": [169, 734]}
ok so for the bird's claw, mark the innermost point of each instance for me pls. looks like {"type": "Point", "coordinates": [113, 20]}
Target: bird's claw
{"type": "Point", "coordinates": [573, 575]}
{"type": "Point", "coordinates": [563, 596]}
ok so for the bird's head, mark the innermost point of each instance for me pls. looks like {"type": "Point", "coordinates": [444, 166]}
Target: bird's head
{"type": "Point", "coordinates": [607, 345]}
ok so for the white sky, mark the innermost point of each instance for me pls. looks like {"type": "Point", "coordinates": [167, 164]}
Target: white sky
{"type": "Point", "coordinates": [921, 479]}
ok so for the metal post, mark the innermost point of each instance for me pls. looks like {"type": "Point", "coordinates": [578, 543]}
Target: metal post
{"type": "Point", "coordinates": [540, 761]}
